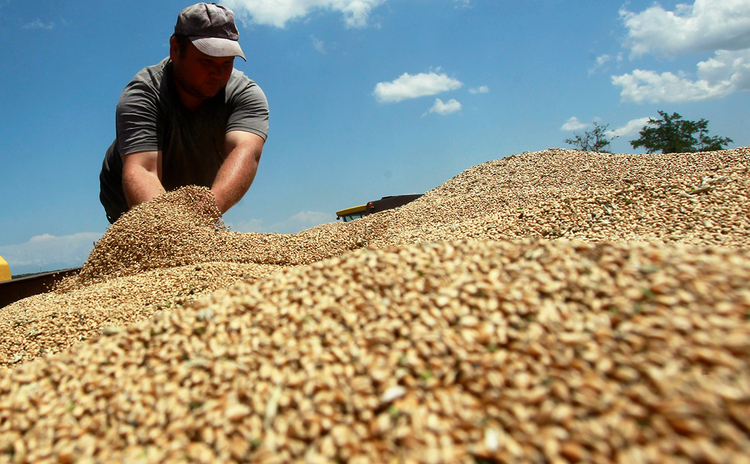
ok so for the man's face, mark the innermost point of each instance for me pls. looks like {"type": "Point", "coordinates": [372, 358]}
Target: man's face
{"type": "Point", "coordinates": [199, 75]}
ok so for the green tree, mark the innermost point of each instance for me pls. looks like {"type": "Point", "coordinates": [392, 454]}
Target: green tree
{"type": "Point", "coordinates": [593, 140]}
{"type": "Point", "coordinates": [672, 134]}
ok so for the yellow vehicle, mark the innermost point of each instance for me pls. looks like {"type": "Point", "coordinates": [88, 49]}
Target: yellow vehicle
{"type": "Point", "coordinates": [376, 206]}
{"type": "Point", "coordinates": [4, 270]}
{"type": "Point", "coordinates": [350, 214]}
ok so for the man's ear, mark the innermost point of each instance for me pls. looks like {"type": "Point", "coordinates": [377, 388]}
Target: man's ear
{"type": "Point", "coordinates": [174, 49]}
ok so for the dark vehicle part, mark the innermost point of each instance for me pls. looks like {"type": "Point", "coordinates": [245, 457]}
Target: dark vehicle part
{"type": "Point", "coordinates": [23, 287]}
{"type": "Point", "coordinates": [376, 206]}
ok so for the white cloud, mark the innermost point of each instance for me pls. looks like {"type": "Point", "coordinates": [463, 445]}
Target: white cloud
{"type": "Point", "coordinates": [631, 128]}
{"type": "Point", "coordinates": [252, 225]}
{"type": "Point", "coordinates": [649, 86]}
{"type": "Point", "coordinates": [356, 13]}
{"type": "Point", "coordinates": [420, 85]}
{"type": "Point", "coordinates": [319, 45]}
{"type": "Point", "coordinates": [300, 221]}
{"type": "Point", "coordinates": [704, 26]}
{"type": "Point", "coordinates": [730, 68]}
{"type": "Point", "coordinates": [725, 73]}
{"type": "Point", "coordinates": [573, 124]}
{"type": "Point", "coordinates": [278, 13]}
{"type": "Point", "coordinates": [49, 253]}
{"type": "Point", "coordinates": [480, 89]}
{"type": "Point", "coordinates": [444, 109]}
{"type": "Point", "coordinates": [721, 26]}
{"type": "Point", "coordinates": [38, 24]}
{"type": "Point", "coordinates": [600, 61]}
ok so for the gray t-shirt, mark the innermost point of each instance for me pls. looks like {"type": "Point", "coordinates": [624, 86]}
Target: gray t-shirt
{"type": "Point", "coordinates": [151, 117]}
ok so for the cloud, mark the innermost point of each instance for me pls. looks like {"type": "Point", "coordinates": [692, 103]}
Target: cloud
{"type": "Point", "coordinates": [304, 220]}
{"type": "Point", "coordinates": [444, 109]}
{"type": "Point", "coordinates": [706, 25]}
{"type": "Point", "coordinates": [631, 128]}
{"type": "Point", "coordinates": [38, 24]}
{"type": "Point", "coordinates": [278, 13]}
{"type": "Point", "coordinates": [725, 73]}
{"type": "Point", "coordinates": [252, 225]}
{"type": "Point", "coordinates": [721, 26]}
{"type": "Point", "coordinates": [573, 124]}
{"type": "Point", "coordinates": [300, 221]}
{"type": "Point", "coordinates": [49, 253]}
{"type": "Point", "coordinates": [420, 85]}
{"type": "Point", "coordinates": [318, 44]}
{"type": "Point", "coordinates": [480, 89]}
{"type": "Point", "coordinates": [599, 62]}
{"type": "Point", "coordinates": [730, 68]}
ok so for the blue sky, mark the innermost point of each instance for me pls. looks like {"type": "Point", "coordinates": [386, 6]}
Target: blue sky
{"type": "Point", "coordinates": [368, 97]}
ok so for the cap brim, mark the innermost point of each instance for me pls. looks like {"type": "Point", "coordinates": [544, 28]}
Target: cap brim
{"type": "Point", "coordinates": [215, 46]}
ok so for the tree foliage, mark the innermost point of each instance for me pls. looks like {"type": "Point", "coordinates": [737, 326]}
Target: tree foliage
{"type": "Point", "coordinates": [593, 140]}
{"type": "Point", "coordinates": [672, 134]}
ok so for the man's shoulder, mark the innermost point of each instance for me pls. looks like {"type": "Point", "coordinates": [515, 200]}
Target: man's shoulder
{"type": "Point", "coordinates": [239, 81]}
{"type": "Point", "coordinates": [242, 88]}
{"type": "Point", "coordinates": [150, 84]}
{"type": "Point", "coordinates": [154, 73]}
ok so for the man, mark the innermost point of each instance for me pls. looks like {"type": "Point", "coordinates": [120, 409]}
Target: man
{"type": "Point", "coordinates": [190, 120]}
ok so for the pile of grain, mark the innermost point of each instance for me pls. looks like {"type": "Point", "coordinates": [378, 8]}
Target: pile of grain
{"type": "Point", "coordinates": [502, 346]}
{"type": "Point", "coordinates": [184, 227]}
{"type": "Point", "coordinates": [528, 351]}
{"type": "Point", "coordinates": [53, 322]}
{"type": "Point", "coordinates": [696, 198]}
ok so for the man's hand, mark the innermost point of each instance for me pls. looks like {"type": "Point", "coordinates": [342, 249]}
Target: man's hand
{"type": "Point", "coordinates": [141, 172]}
{"type": "Point", "coordinates": [141, 177]}
{"type": "Point", "coordinates": [238, 170]}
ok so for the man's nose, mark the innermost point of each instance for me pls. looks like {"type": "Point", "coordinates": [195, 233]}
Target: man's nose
{"type": "Point", "coordinates": [217, 71]}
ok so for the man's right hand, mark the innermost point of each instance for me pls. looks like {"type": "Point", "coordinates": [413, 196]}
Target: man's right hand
{"type": "Point", "coordinates": [141, 177]}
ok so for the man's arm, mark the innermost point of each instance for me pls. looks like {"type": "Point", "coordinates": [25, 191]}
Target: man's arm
{"type": "Point", "coordinates": [238, 171]}
{"type": "Point", "coordinates": [141, 177]}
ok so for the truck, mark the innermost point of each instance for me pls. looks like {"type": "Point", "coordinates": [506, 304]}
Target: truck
{"type": "Point", "coordinates": [12, 290]}
{"type": "Point", "coordinates": [375, 206]}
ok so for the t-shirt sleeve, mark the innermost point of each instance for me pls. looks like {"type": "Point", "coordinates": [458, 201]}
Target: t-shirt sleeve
{"type": "Point", "coordinates": [137, 119]}
{"type": "Point", "coordinates": [249, 111]}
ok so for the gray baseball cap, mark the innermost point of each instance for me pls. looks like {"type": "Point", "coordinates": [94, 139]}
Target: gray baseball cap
{"type": "Point", "coordinates": [211, 29]}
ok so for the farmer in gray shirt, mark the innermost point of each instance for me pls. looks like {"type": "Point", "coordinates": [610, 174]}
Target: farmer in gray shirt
{"type": "Point", "coordinates": [190, 120]}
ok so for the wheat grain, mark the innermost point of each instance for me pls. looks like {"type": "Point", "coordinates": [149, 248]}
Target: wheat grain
{"type": "Point", "coordinates": [546, 307]}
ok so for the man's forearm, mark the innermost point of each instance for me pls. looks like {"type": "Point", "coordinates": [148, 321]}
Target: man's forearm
{"type": "Point", "coordinates": [140, 185]}
{"type": "Point", "coordinates": [238, 171]}
{"type": "Point", "coordinates": [140, 177]}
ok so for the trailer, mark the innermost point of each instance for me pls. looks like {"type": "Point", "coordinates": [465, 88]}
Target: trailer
{"type": "Point", "coordinates": [23, 287]}
{"type": "Point", "coordinates": [375, 206]}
